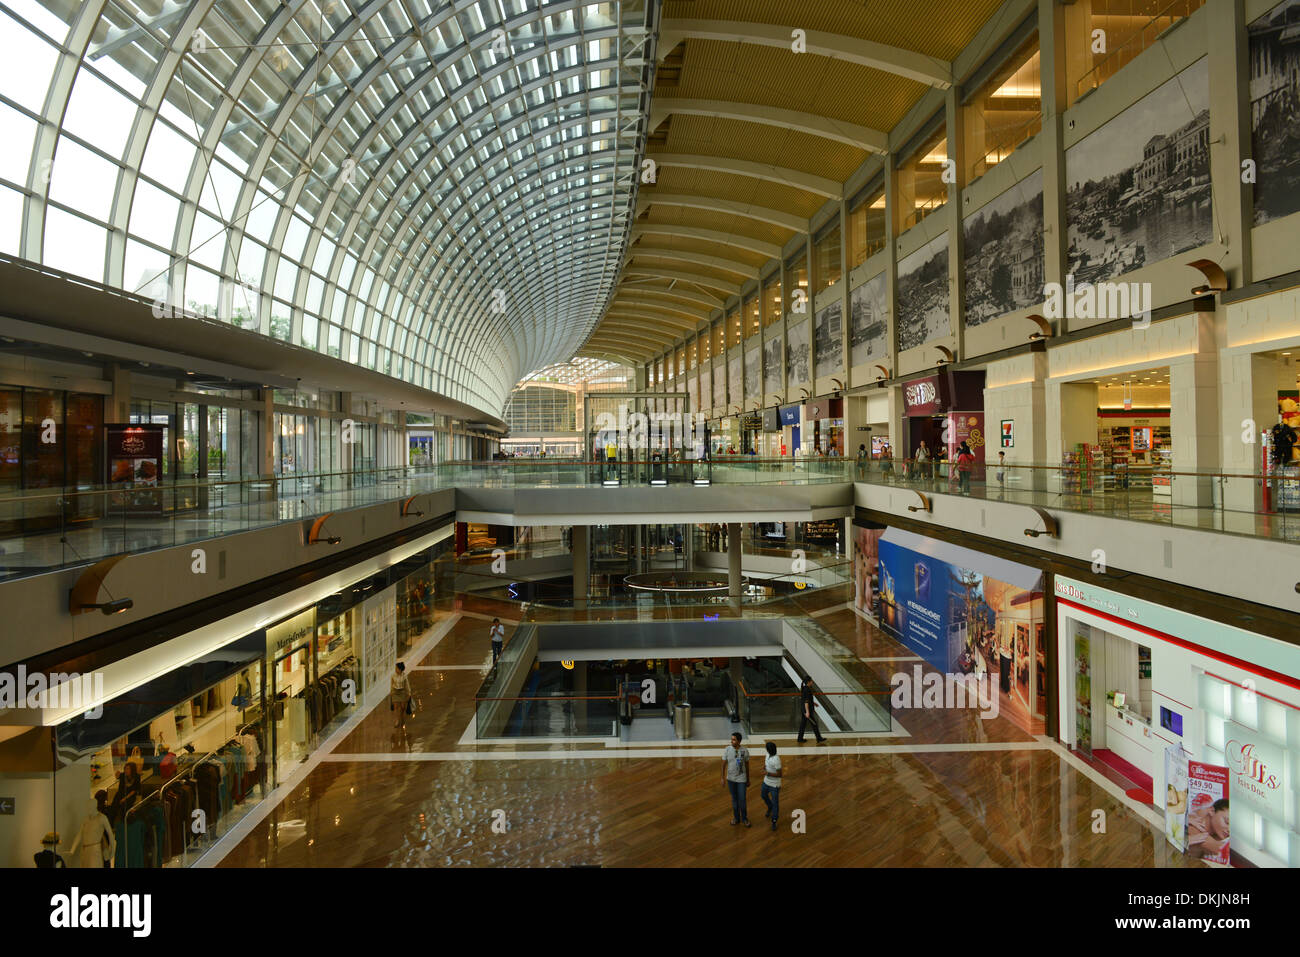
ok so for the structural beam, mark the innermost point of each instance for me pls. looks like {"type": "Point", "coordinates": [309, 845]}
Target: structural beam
{"type": "Point", "coordinates": [814, 124]}
{"type": "Point", "coordinates": [807, 182]}
{"type": "Point", "coordinates": [775, 217]}
{"type": "Point", "coordinates": [769, 250]}
{"type": "Point", "coordinates": [876, 56]}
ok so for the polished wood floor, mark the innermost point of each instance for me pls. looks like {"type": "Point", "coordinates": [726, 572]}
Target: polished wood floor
{"type": "Point", "coordinates": [955, 791]}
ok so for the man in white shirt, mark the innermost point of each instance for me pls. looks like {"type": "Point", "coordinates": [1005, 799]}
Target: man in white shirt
{"type": "Point", "coordinates": [771, 790]}
{"type": "Point", "coordinates": [735, 775]}
{"type": "Point", "coordinates": [498, 634]}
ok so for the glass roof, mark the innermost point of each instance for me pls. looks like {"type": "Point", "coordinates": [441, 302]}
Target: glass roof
{"type": "Point", "coordinates": [436, 190]}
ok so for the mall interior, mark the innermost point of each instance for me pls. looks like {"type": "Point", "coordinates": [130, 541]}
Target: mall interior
{"type": "Point", "coordinates": [914, 393]}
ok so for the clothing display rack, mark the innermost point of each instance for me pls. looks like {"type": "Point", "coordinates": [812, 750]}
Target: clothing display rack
{"type": "Point", "coordinates": [158, 827]}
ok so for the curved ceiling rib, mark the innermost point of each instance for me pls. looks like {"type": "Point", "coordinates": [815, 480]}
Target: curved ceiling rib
{"type": "Point", "coordinates": [755, 126]}
{"type": "Point", "coordinates": [440, 190]}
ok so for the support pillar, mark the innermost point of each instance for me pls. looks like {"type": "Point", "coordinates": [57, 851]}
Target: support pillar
{"type": "Point", "coordinates": [733, 562]}
{"type": "Point", "coordinates": [581, 566]}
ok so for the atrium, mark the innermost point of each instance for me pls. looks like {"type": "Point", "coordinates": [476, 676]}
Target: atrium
{"type": "Point", "coordinates": [441, 432]}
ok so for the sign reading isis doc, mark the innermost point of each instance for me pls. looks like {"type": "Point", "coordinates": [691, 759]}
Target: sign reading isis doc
{"type": "Point", "coordinates": [1255, 771]}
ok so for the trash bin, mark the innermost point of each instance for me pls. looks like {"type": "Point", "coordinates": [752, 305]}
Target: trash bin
{"type": "Point", "coordinates": [682, 720]}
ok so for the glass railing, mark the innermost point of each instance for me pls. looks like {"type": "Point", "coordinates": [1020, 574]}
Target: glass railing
{"type": "Point", "coordinates": [1243, 503]}
{"type": "Point", "coordinates": [759, 591]}
{"type": "Point", "coordinates": [849, 710]}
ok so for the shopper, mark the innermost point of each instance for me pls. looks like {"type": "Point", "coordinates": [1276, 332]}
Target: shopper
{"type": "Point", "coordinates": [886, 462]}
{"type": "Point", "coordinates": [735, 777]}
{"type": "Point", "coordinates": [498, 634]}
{"type": "Point", "coordinates": [922, 461]}
{"type": "Point", "coordinates": [771, 790]}
{"type": "Point", "coordinates": [1002, 464]}
{"type": "Point", "coordinates": [808, 710]}
{"type": "Point", "coordinates": [399, 700]}
{"type": "Point", "coordinates": [864, 459]}
{"type": "Point", "coordinates": [965, 462]}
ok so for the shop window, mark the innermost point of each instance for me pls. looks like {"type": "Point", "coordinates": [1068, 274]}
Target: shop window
{"type": "Point", "coordinates": [826, 258]}
{"type": "Point", "coordinates": [1127, 27]}
{"type": "Point", "coordinates": [921, 189]}
{"type": "Point", "coordinates": [11, 436]}
{"type": "Point", "coordinates": [1005, 111]}
{"type": "Point", "coordinates": [866, 226]}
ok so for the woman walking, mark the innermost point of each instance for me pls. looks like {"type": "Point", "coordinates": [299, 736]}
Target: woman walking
{"type": "Point", "coordinates": [399, 699]}
{"type": "Point", "coordinates": [771, 790]}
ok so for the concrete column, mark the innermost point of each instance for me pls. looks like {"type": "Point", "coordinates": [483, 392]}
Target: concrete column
{"type": "Point", "coordinates": [1230, 137]}
{"type": "Point", "coordinates": [581, 566]}
{"type": "Point", "coordinates": [117, 404]}
{"type": "Point", "coordinates": [1052, 73]}
{"type": "Point", "coordinates": [1248, 389]}
{"type": "Point", "coordinates": [952, 213]}
{"type": "Point", "coordinates": [1071, 418]}
{"type": "Point", "coordinates": [891, 268]}
{"type": "Point", "coordinates": [268, 437]}
{"type": "Point", "coordinates": [733, 562]}
{"type": "Point", "coordinates": [1194, 416]}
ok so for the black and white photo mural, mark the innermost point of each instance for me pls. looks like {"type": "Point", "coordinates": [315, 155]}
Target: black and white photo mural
{"type": "Point", "coordinates": [706, 385]}
{"type": "Point", "coordinates": [1275, 111]}
{"type": "Point", "coordinates": [773, 365]}
{"type": "Point", "coordinates": [693, 391]}
{"type": "Point", "coordinates": [735, 387]}
{"type": "Point", "coordinates": [796, 353]}
{"type": "Point", "coordinates": [1138, 188]}
{"type": "Point", "coordinates": [923, 295]}
{"type": "Point", "coordinates": [828, 339]}
{"type": "Point", "coordinates": [1003, 252]}
{"type": "Point", "coordinates": [869, 329]}
{"type": "Point", "coordinates": [753, 371]}
{"type": "Point", "coordinates": [719, 383]}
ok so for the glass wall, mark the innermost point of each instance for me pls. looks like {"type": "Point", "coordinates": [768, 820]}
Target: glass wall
{"type": "Point", "coordinates": [826, 258]}
{"type": "Point", "coordinates": [921, 189]}
{"type": "Point", "coordinates": [866, 225]}
{"type": "Point", "coordinates": [1005, 111]}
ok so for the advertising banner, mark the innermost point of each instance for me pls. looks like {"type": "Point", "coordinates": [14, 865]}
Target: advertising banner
{"type": "Point", "coordinates": [1176, 797]}
{"type": "Point", "coordinates": [963, 621]}
{"type": "Point", "coordinates": [134, 458]}
{"type": "Point", "coordinates": [789, 415]}
{"type": "Point", "coordinates": [924, 396]}
{"type": "Point", "coordinates": [1207, 812]}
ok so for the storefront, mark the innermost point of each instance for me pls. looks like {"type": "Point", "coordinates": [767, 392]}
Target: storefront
{"type": "Point", "coordinates": [1203, 714]}
{"type": "Point", "coordinates": [790, 431]}
{"type": "Point", "coordinates": [215, 734]}
{"type": "Point", "coordinates": [1130, 445]}
{"type": "Point", "coordinates": [963, 611]}
{"type": "Point", "coordinates": [824, 425]}
{"type": "Point", "coordinates": [50, 439]}
{"type": "Point", "coordinates": [943, 411]}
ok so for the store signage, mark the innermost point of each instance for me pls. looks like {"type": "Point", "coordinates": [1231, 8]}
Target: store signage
{"type": "Point", "coordinates": [7, 805]}
{"type": "Point", "coordinates": [1065, 588]}
{"type": "Point", "coordinates": [1008, 433]}
{"type": "Point", "coordinates": [789, 415]}
{"type": "Point", "coordinates": [1255, 766]}
{"type": "Point", "coordinates": [924, 397]}
{"type": "Point", "coordinates": [291, 632]}
{"type": "Point", "coordinates": [771, 420]}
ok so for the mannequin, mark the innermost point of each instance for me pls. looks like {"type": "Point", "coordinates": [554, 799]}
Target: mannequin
{"type": "Point", "coordinates": [48, 855]}
{"type": "Point", "coordinates": [95, 839]}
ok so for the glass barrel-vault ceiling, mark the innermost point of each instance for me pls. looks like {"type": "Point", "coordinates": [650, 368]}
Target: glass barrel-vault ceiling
{"type": "Point", "coordinates": [439, 191]}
